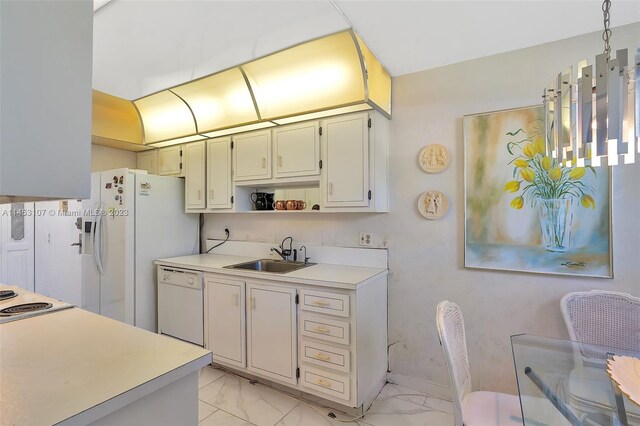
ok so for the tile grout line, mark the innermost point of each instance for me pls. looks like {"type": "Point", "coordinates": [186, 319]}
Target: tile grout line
{"type": "Point", "coordinates": [288, 412]}
{"type": "Point", "coordinates": [233, 415]}
{"type": "Point", "coordinates": [214, 380]}
{"type": "Point", "coordinates": [206, 417]}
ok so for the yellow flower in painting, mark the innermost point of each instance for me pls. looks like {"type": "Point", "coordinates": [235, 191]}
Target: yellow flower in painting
{"type": "Point", "coordinates": [520, 162]}
{"type": "Point", "coordinates": [528, 174]}
{"type": "Point", "coordinates": [555, 173]}
{"type": "Point", "coordinates": [588, 202]}
{"type": "Point", "coordinates": [529, 150]}
{"type": "Point", "coordinates": [546, 163]}
{"type": "Point", "coordinates": [517, 203]}
{"type": "Point", "coordinates": [539, 145]}
{"type": "Point", "coordinates": [577, 173]}
{"type": "Point", "coordinates": [512, 186]}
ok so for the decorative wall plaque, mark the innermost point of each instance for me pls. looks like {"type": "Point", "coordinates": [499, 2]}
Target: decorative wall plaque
{"type": "Point", "coordinates": [434, 158]}
{"type": "Point", "coordinates": [433, 204]}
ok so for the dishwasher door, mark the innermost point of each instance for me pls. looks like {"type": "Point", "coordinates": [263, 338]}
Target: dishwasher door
{"type": "Point", "coordinates": [180, 304]}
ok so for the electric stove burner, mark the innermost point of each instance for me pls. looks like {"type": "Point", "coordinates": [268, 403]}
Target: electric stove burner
{"type": "Point", "coordinates": [25, 308]}
{"type": "Point", "coordinates": [7, 294]}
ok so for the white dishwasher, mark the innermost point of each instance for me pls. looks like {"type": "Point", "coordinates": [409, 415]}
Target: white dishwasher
{"type": "Point", "coordinates": [180, 311]}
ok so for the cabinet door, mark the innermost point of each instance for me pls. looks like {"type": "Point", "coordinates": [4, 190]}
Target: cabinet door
{"type": "Point", "coordinates": [170, 160]}
{"type": "Point", "coordinates": [225, 321]}
{"type": "Point", "coordinates": [148, 160]}
{"type": "Point", "coordinates": [219, 173]}
{"type": "Point", "coordinates": [252, 156]}
{"type": "Point", "coordinates": [194, 176]}
{"type": "Point", "coordinates": [271, 331]}
{"type": "Point", "coordinates": [297, 150]}
{"type": "Point", "coordinates": [346, 161]}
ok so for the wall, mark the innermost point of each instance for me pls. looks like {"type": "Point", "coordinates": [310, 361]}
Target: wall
{"type": "Point", "coordinates": [105, 158]}
{"type": "Point", "coordinates": [426, 257]}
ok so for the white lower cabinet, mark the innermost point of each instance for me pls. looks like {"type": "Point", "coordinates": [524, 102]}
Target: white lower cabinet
{"type": "Point", "coordinates": [328, 342]}
{"type": "Point", "coordinates": [271, 331]}
{"type": "Point", "coordinates": [224, 325]}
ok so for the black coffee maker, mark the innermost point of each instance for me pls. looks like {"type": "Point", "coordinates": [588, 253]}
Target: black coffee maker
{"type": "Point", "coordinates": [262, 200]}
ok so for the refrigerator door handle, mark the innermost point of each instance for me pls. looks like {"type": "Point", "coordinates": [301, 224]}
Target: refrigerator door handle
{"type": "Point", "coordinates": [97, 248]}
{"type": "Point", "coordinates": [101, 245]}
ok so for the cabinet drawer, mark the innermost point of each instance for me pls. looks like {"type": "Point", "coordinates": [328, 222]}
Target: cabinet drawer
{"type": "Point", "coordinates": [322, 381]}
{"type": "Point", "coordinates": [326, 303]}
{"type": "Point", "coordinates": [325, 329]}
{"type": "Point", "coordinates": [325, 355]}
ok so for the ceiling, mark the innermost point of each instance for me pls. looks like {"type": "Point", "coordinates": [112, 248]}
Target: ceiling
{"type": "Point", "coordinates": [143, 46]}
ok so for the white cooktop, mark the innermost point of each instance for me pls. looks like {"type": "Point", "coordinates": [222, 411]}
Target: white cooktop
{"type": "Point", "coordinates": [17, 307]}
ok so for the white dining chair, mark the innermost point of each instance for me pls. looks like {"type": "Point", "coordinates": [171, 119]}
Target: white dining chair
{"type": "Point", "coordinates": [470, 408]}
{"type": "Point", "coordinates": [600, 317]}
{"type": "Point", "coordinates": [604, 318]}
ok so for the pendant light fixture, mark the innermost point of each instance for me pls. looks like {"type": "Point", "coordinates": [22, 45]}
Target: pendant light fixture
{"type": "Point", "coordinates": [594, 120]}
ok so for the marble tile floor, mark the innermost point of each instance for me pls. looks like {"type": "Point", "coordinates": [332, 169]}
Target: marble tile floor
{"type": "Point", "coordinates": [230, 400]}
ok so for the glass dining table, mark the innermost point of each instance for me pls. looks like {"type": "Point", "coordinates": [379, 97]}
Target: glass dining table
{"type": "Point", "coordinates": [561, 382]}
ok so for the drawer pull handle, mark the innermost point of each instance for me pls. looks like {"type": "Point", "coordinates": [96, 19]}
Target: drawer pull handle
{"type": "Point", "coordinates": [321, 303]}
{"type": "Point", "coordinates": [323, 383]}
{"type": "Point", "coordinates": [264, 163]}
{"type": "Point", "coordinates": [321, 329]}
{"type": "Point", "coordinates": [323, 357]}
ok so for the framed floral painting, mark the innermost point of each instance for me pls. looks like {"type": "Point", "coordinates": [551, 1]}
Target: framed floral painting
{"type": "Point", "coordinates": [525, 211]}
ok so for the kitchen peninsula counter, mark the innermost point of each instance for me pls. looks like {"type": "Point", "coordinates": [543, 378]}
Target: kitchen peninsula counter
{"type": "Point", "coordinates": [321, 274]}
{"type": "Point", "coordinates": [76, 367]}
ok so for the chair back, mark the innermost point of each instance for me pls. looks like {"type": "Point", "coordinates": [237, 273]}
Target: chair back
{"type": "Point", "coordinates": [605, 318]}
{"type": "Point", "coordinates": [454, 344]}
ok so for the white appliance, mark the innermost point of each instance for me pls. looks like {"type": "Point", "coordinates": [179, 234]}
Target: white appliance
{"type": "Point", "coordinates": [180, 303]}
{"type": "Point", "coordinates": [132, 219]}
{"type": "Point", "coordinates": [17, 303]}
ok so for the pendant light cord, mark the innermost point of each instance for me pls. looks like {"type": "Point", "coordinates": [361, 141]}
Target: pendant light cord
{"type": "Point", "coordinates": [606, 34]}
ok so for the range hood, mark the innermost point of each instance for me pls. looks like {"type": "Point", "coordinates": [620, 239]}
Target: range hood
{"type": "Point", "coordinates": [327, 76]}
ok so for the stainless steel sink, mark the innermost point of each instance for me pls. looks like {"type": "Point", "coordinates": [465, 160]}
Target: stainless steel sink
{"type": "Point", "coordinates": [270, 265]}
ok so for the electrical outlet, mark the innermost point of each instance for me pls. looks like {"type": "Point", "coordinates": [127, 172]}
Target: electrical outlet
{"type": "Point", "coordinates": [365, 239]}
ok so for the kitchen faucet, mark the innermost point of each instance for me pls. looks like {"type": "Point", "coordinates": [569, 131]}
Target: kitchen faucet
{"type": "Point", "coordinates": [283, 252]}
{"type": "Point", "coordinates": [306, 259]}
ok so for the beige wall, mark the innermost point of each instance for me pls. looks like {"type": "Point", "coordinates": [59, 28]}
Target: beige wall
{"type": "Point", "coordinates": [426, 257]}
{"type": "Point", "coordinates": [105, 158]}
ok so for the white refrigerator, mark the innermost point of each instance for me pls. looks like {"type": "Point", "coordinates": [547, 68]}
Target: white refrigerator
{"type": "Point", "coordinates": [132, 219]}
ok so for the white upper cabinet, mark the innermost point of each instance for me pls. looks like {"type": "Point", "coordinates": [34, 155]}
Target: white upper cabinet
{"type": "Point", "coordinates": [148, 160]}
{"type": "Point", "coordinates": [219, 188]}
{"type": "Point", "coordinates": [339, 164]}
{"type": "Point", "coordinates": [346, 161]}
{"type": "Point", "coordinates": [195, 175]}
{"type": "Point", "coordinates": [252, 156]}
{"type": "Point", "coordinates": [297, 150]}
{"type": "Point", "coordinates": [170, 161]}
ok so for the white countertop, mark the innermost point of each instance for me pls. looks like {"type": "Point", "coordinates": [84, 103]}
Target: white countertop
{"type": "Point", "coordinates": [72, 362]}
{"type": "Point", "coordinates": [326, 275]}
